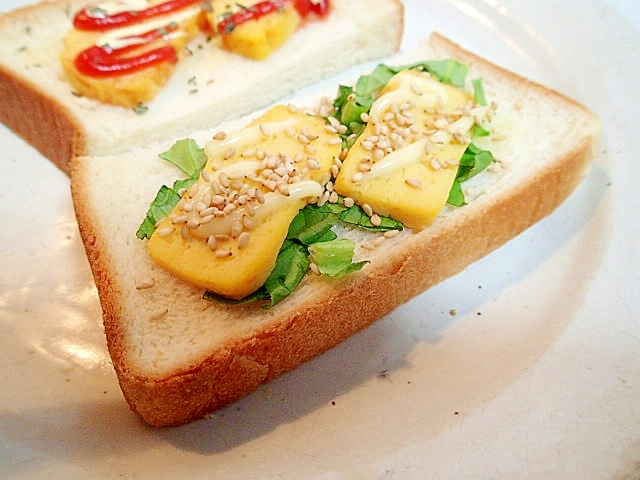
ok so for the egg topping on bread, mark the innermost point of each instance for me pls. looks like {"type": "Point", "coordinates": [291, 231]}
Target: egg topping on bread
{"type": "Point", "coordinates": [128, 65]}
{"type": "Point", "coordinates": [406, 160]}
{"type": "Point", "coordinates": [225, 233]}
{"type": "Point", "coordinates": [122, 52]}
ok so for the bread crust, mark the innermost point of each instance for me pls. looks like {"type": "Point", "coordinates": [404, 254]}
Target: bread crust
{"type": "Point", "coordinates": [45, 119]}
{"type": "Point", "coordinates": [324, 313]}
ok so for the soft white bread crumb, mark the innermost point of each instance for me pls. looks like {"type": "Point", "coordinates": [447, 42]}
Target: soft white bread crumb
{"type": "Point", "coordinates": [178, 356]}
{"type": "Point", "coordinates": [208, 87]}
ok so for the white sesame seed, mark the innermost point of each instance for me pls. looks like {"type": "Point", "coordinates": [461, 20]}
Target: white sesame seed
{"type": "Point", "coordinates": [324, 198]}
{"type": "Point", "coordinates": [145, 284]}
{"type": "Point", "coordinates": [367, 145]}
{"type": "Point", "coordinates": [159, 314]}
{"type": "Point", "coordinates": [212, 242]}
{"type": "Point", "coordinates": [230, 152]}
{"type": "Point", "coordinates": [220, 136]}
{"type": "Point", "coordinates": [247, 222]}
{"type": "Point", "coordinates": [391, 233]}
{"type": "Point", "coordinates": [313, 163]}
{"type": "Point", "coordinates": [357, 177]}
{"type": "Point", "coordinates": [413, 182]}
{"type": "Point", "coordinates": [375, 220]}
{"type": "Point", "coordinates": [283, 189]}
{"type": "Point", "coordinates": [264, 129]}
{"type": "Point", "coordinates": [236, 228]}
{"type": "Point", "coordinates": [348, 202]}
{"type": "Point", "coordinates": [367, 209]}
{"type": "Point", "coordinates": [179, 219]}
{"type": "Point", "coordinates": [368, 246]}
{"type": "Point", "coordinates": [215, 186]}
{"type": "Point", "coordinates": [243, 239]}
{"type": "Point", "coordinates": [166, 231]}
{"type": "Point", "coordinates": [378, 240]}
{"type": "Point", "coordinates": [223, 178]}
{"type": "Point", "coordinates": [223, 253]}
{"type": "Point", "coordinates": [236, 185]}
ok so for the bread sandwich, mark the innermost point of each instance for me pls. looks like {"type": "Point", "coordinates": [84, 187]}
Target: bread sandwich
{"type": "Point", "coordinates": [185, 344]}
{"type": "Point", "coordinates": [73, 80]}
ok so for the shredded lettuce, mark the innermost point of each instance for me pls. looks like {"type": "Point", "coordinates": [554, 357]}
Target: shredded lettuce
{"type": "Point", "coordinates": [335, 258]}
{"type": "Point", "coordinates": [188, 156]}
{"type": "Point", "coordinates": [352, 102]}
{"type": "Point", "coordinates": [473, 161]}
{"type": "Point", "coordinates": [190, 159]}
{"type": "Point", "coordinates": [161, 206]}
{"type": "Point", "coordinates": [292, 265]}
{"type": "Point", "coordinates": [311, 237]}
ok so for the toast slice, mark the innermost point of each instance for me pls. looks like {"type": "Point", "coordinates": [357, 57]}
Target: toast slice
{"type": "Point", "coordinates": [208, 86]}
{"type": "Point", "coordinates": [179, 356]}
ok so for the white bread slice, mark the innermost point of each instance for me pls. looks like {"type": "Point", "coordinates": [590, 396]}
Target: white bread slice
{"type": "Point", "coordinates": [178, 356]}
{"type": "Point", "coordinates": [207, 87]}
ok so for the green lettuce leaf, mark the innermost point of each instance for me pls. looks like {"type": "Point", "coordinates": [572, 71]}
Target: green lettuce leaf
{"type": "Point", "coordinates": [474, 160]}
{"type": "Point", "coordinates": [292, 265]}
{"type": "Point", "coordinates": [356, 216]}
{"type": "Point", "coordinates": [187, 156]}
{"type": "Point", "coordinates": [161, 206]}
{"type": "Point", "coordinates": [351, 102]}
{"type": "Point", "coordinates": [335, 258]}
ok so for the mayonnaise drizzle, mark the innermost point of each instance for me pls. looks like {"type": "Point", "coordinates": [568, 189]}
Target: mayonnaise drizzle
{"type": "Point", "coordinates": [274, 202]}
{"type": "Point", "coordinates": [113, 7]}
{"type": "Point", "coordinates": [128, 36]}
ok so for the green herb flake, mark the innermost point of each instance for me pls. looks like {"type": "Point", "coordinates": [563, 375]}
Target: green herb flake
{"type": "Point", "coordinates": [140, 109]}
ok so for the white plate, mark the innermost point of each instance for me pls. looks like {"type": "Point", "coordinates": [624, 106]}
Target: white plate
{"type": "Point", "coordinates": [536, 376]}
